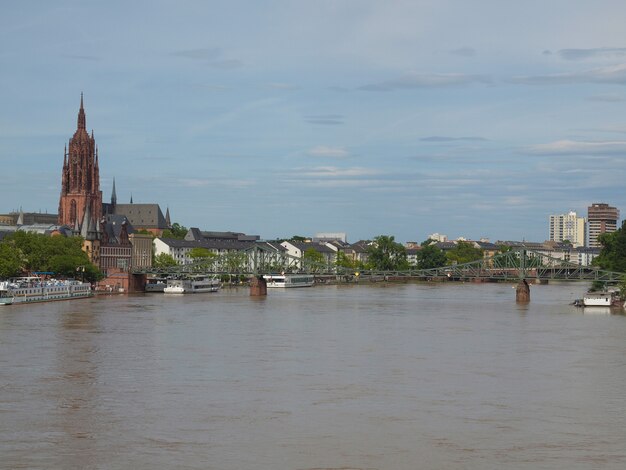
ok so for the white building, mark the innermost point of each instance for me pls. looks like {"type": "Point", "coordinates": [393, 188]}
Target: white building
{"type": "Point", "coordinates": [568, 227]}
{"type": "Point", "coordinates": [438, 237]}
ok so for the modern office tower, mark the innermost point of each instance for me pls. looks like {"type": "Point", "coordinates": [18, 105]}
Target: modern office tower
{"type": "Point", "coordinates": [602, 218]}
{"type": "Point", "coordinates": [568, 227]}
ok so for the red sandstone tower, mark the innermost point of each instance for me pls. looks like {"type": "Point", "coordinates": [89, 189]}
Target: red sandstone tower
{"type": "Point", "coordinates": [80, 205]}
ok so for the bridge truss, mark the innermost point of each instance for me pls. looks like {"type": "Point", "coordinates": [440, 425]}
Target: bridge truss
{"type": "Point", "coordinates": [519, 263]}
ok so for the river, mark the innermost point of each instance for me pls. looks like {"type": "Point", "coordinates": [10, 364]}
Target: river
{"type": "Point", "coordinates": [385, 376]}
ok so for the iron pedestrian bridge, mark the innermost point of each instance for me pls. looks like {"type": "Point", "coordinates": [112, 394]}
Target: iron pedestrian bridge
{"type": "Point", "coordinates": [513, 265]}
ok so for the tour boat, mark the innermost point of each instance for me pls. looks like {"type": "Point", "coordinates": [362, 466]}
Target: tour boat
{"type": "Point", "coordinates": [600, 299]}
{"type": "Point", "coordinates": [289, 280]}
{"type": "Point", "coordinates": [34, 289]}
{"type": "Point", "coordinates": [194, 285]}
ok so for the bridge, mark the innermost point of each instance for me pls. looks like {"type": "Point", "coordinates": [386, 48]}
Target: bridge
{"type": "Point", "coordinates": [514, 265]}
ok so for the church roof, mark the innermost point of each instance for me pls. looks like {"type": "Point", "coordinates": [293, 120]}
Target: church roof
{"type": "Point", "coordinates": [113, 226]}
{"type": "Point", "coordinates": [142, 216]}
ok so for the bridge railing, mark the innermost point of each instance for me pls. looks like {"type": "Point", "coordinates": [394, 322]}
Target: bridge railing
{"type": "Point", "coordinates": [515, 264]}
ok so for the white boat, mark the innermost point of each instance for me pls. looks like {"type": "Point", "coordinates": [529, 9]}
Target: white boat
{"type": "Point", "coordinates": [289, 280]}
{"type": "Point", "coordinates": [600, 299]}
{"type": "Point", "coordinates": [35, 289]}
{"type": "Point", "coordinates": [193, 285]}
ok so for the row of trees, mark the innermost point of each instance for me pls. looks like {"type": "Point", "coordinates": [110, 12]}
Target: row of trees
{"type": "Point", "coordinates": [23, 252]}
{"type": "Point", "coordinates": [386, 254]}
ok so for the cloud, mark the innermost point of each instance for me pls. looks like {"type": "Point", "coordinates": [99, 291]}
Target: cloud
{"type": "Point", "coordinates": [615, 74]}
{"type": "Point", "coordinates": [325, 119]}
{"type": "Point", "coordinates": [464, 52]}
{"type": "Point", "coordinates": [439, 138]}
{"type": "Point", "coordinates": [89, 58]}
{"type": "Point", "coordinates": [607, 98]}
{"type": "Point", "coordinates": [583, 54]}
{"type": "Point", "coordinates": [282, 86]}
{"type": "Point", "coordinates": [414, 80]}
{"type": "Point", "coordinates": [335, 172]}
{"type": "Point", "coordinates": [211, 56]}
{"type": "Point", "coordinates": [328, 152]}
{"type": "Point", "coordinates": [570, 147]}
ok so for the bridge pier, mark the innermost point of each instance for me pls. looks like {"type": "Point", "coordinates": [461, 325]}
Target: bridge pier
{"type": "Point", "coordinates": [258, 286]}
{"type": "Point", "coordinates": [522, 291]}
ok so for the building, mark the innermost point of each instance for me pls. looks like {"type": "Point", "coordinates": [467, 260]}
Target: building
{"type": "Point", "coordinates": [80, 181]}
{"type": "Point", "coordinates": [28, 218]}
{"type": "Point", "coordinates": [568, 227]}
{"type": "Point", "coordinates": [195, 234]}
{"type": "Point", "coordinates": [298, 249]}
{"type": "Point", "coordinates": [602, 218]}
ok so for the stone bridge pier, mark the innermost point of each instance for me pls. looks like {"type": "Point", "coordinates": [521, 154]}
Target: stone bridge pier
{"type": "Point", "coordinates": [522, 291]}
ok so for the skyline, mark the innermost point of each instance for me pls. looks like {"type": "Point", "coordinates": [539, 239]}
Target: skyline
{"type": "Point", "coordinates": [404, 118]}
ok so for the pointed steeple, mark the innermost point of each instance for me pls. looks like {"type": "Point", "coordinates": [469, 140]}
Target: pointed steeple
{"type": "Point", "coordinates": [82, 122]}
{"type": "Point", "coordinates": [113, 195]}
{"type": "Point", "coordinates": [131, 198]}
{"type": "Point", "coordinates": [167, 218]}
{"type": "Point", "coordinates": [84, 227]}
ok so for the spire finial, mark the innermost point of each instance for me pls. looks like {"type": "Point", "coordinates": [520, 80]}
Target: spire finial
{"type": "Point", "coordinates": [113, 195]}
{"type": "Point", "coordinates": [81, 114]}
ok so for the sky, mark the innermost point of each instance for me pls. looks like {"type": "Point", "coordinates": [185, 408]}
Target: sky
{"type": "Point", "coordinates": [277, 118]}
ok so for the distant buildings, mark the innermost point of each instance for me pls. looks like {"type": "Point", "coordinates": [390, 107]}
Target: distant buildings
{"type": "Point", "coordinates": [568, 227]}
{"type": "Point", "coordinates": [602, 219]}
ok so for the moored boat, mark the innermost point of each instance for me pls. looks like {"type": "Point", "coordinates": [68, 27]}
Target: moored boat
{"type": "Point", "coordinates": [155, 284]}
{"type": "Point", "coordinates": [34, 289]}
{"type": "Point", "coordinates": [601, 299]}
{"type": "Point", "coordinates": [194, 285]}
{"type": "Point", "coordinates": [289, 280]}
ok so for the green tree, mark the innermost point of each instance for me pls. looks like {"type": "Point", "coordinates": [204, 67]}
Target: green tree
{"type": "Point", "coordinates": [177, 231]}
{"type": "Point", "coordinates": [385, 254]}
{"type": "Point", "coordinates": [61, 255]}
{"type": "Point", "coordinates": [464, 252]}
{"type": "Point", "coordinates": [343, 261]}
{"type": "Point", "coordinates": [298, 238]}
{"type": "Point", "coordinates": [200, 254]}
{"type": "Point", "coordinates": [312, 259]}
{"type": "Point", "coordinates": [431, 256]}
{"type": "Point", "coordinates": [613, 254]}
{"type": "Point", "coordinates": [11, 261]}
{"type": "Point", "coordinates": [164, 260]}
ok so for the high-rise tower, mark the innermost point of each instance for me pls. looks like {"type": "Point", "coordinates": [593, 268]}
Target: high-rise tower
{"type": "Point", "coordinates": [602, 219]}
{"type": "Point", "coordinates": [81, 198]}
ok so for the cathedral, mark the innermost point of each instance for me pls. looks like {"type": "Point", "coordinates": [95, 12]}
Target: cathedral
{"type": "Point", "coordinates": [106, 229]}
{"type": "Point", "coordinates": [80, 204]}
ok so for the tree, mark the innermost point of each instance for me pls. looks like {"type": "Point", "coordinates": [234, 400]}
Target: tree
{"type": "Point", "coordinates": [431, 256]}
{"type": "Point", "coordinates": [200, 254]}
{"type": "Point", "coordinates": [385, 254]}
{"type": "Point", "coordinates": [298, 238]}
{"type": "Point", "coordinates": [344, 262]}
{"type": "Point", "coordinates": [464, 252]}
{"type": "Point", "coordinates": [11, 261]}
{"type": "Point", "coordinates": [312, 259]}
{"type": "Point", "coordinates": [61, 255]}
{"type": "Point", "coordinates": [613, 254]}
{"type": "Point", "coordinates": [164, 260]}
{"type": "Point", "coordinates": [177, 231]}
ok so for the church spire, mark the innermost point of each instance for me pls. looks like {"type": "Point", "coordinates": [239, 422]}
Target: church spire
{"type": "Point", "coordinates": [113, 195]}
{"type": "Point", "coordinates": [82, 122]}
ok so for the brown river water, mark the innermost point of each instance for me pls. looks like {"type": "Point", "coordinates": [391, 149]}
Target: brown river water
{"type": "Point", "coordinates": [410, 376]}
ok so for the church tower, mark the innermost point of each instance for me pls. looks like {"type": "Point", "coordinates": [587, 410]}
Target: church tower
{"type": "Point", "coordinates": [81, 198]}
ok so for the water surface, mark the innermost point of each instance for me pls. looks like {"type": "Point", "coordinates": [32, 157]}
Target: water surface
{"type": "Point", "coordinates": [338, 377]}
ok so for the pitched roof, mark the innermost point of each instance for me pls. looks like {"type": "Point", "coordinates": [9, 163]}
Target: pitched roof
{"type": "Point", "coordinates": [142, 215]}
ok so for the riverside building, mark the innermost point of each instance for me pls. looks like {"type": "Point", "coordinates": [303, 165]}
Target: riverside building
{"type": "Point", "coordinates": [602, 219]}
{"type": "Point", "coordinates": [568, 227]}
